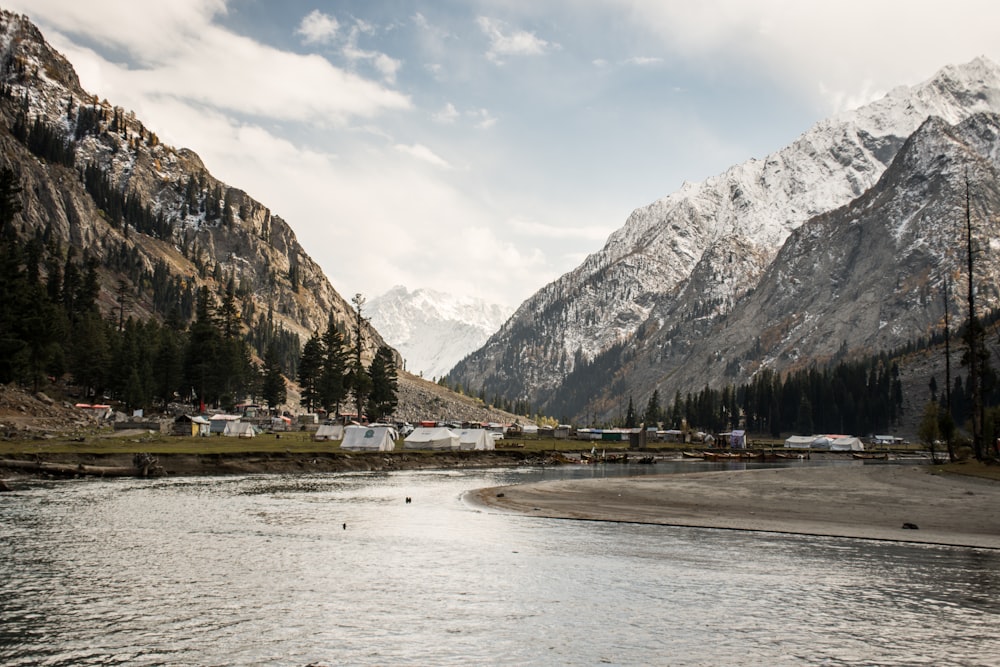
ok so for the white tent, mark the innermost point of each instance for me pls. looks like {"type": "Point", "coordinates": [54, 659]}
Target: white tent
{"type": "Point", "coordinates": [800, 441]}
{"type": "Point", "coordinates": [431, 438]}
{"type": "Point", "coordinates": [236, 429]}
{"type": "Point", "coordinates": [368, 438]}
{"type": "Point", "coordinates": [847, 444]}
{"type": "Point", "coordinates": [821, 442]}
{"type": "Point", "coordinates": [218, 423]}
{"type": "Point", "coordinates": [475, 438]}
{"type": "Point", "coordinates": [329, 432]}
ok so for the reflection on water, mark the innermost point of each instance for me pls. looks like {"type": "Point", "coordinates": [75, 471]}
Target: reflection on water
{"type": "Point", "coordinates": [338, 569]}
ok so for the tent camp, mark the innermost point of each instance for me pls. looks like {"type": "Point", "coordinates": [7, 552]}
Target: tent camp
{"type": "Point", "coordinates": [329, 432]}
{"type": "Point", "coordinates": [847, 444]}
{"type": "Point", "coordinates": [368, 438]}
{"type": "Point", "coordinates": [431, 438]}
{"type": "Point", "coordinates": [475, 438]}
{"type": "Point", "coordinates": [800, 441]}
{"type": "Point", "coordinates": [237, 429]}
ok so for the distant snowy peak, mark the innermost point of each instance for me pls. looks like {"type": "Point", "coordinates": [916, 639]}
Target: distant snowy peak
{"type": "Point", "coordinates": [830, 164]}
{"type": "Point", "coordinates": [434, 330]}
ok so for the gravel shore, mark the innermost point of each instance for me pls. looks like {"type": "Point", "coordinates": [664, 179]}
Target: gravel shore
{"type": "Point", "coordinates": [859, 501]}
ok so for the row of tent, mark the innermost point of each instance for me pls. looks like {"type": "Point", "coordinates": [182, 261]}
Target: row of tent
{"type": "Point", "coordinates": [835, 443]}
{"type": "Point", "coordinates": [383, 438]}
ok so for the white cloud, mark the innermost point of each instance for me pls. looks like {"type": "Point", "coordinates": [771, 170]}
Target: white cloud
{"type": "Point", "coordinates": [447, 115]}
{"type": "Point", "coordinates": [423, 153]}
{"type": "Point", "coordinates": [643, 61]}
{"type": "Point", "coordinates": [484, 120]}
{"type": "Point", "coordinates": [842, 54]}
{"type": "Point", "coordinates": [147, 31]}
{"type": "Point", "coordinates": [533, 228]}
{"type": "Point", "coordinates": [317, 27]}
{"type": "Point", "coordinates": [512, 43]}
{"type": "Point", "coordinates": [214, 67]}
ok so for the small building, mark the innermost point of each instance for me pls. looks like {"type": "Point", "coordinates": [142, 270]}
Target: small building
{"type": "Point", "coordinates": [738, 440]}
{"type": "Point", "coordinates": [191, 425]}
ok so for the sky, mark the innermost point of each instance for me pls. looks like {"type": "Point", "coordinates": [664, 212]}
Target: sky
{"type": "Point", "coordinates": [485, 147]}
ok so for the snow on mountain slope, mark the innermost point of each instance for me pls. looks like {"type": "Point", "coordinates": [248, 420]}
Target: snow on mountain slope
{"type": "Point", "coordinates": [750, 208]}
{"type": "Point", "coordinates": [433, 330]}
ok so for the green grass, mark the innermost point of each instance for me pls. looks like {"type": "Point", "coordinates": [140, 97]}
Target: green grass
{"type": "Point", "coordinates": [291, 442]}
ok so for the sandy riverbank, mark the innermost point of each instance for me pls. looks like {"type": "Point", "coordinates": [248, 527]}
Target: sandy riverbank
{"type": "Point", "coordinates": [869, 501]}
{"type": "Point", "coordinates": [12, 467]}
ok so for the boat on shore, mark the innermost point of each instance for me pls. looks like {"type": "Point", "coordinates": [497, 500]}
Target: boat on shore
{"type": "Point", "coordinates": [871, 456]}
{"type": "Point", "coordinates": [720, 456]}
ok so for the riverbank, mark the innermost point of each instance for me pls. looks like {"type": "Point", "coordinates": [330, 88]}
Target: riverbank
{"type": "Point", "coordinates": [858, 501]}
{"type": "Point", "coordinates": [16, 467]}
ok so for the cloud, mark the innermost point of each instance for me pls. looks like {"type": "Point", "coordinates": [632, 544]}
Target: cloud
{"type": "Point", "coordinates": [447, 115]}
{"type": "Point", "coordinates": [533, 228]}
{"type": "Point", "coordinates": [483, 118]}
{"type": "Point", "coordinates": [218, 69]}
{"type": "Point", "coordinates": [643, 60]}
{"type": "Point", "coordinates": [820, 50]}
{"type": "Point", "coordinates": [317, 27]}
{"type": "Point", "coordinates": [423, 153]}
{"type": "Point", "coordinates": [514, 43]}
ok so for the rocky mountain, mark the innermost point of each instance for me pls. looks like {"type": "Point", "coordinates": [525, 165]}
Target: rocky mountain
{"type": "Point", "coordinates": [433, 330]}
{"type": "Point", "coordinates": [676, 298]}
{"type": "Point", "coordinates": [96, 180]}
{"type": "Point", "coordinates": [866, 277]}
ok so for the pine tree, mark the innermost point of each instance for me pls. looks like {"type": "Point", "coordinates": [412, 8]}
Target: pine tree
{"type": "Point", "coordinates": [653, 413]}
{"type": "Point", "coordinates": [630, 420]}
{"type": "Point", "coordinates": [382, 400]}
{"type": "Point", "coordinates": [332, 388]}
{"type": "Point", "coordinates": [360, 382]}
{"type": "Point", "coordinates": [201, 368]}
{"type": "Point", "coordinates": [310, 368]}
{"type": "Point", "coordinates": [273, 389]}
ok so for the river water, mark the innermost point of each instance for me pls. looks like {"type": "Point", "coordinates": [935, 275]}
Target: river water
{"type": "Point", "coordinates": [338, 569]}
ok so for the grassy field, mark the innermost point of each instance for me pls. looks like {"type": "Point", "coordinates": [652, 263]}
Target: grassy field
{"type": "Point", "coordinates": [300, 442]}
{"type": "Point", "coordinates": [289, 442]}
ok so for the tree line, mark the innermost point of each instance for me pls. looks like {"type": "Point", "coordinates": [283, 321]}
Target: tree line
{"type": "Point", "coordinates": [51, 327]}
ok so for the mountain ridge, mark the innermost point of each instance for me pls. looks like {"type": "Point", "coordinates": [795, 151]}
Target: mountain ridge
{"type": "Point", "coordinates": [678, 248]}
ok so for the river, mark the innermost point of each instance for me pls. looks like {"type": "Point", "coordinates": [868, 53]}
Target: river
{"type": "Point", "coordinates": [339, 569]}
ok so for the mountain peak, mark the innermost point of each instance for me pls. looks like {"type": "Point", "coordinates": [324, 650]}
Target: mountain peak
{"type": "Point", "coordinates": [694, 253]}
{"type": "Point", "coordinates": [433, 330]}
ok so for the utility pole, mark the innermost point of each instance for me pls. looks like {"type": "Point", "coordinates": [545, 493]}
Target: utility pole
{"type": "Point", "coordinates": [947, 372]}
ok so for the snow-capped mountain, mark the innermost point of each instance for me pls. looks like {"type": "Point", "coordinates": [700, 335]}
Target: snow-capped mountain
{"type": "Point", "coordinates": [433, 330]}
{"type": "Point", "coordinates": [695, 254]}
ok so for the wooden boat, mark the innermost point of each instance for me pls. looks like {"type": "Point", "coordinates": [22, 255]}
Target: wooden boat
{"type": "Point", "coordinates": [720, 456]}
{"type": "Point", "coordinates": [692, 455]}
{"type": "Point", "coordinates": [871, 456]}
